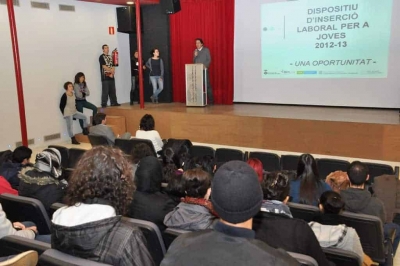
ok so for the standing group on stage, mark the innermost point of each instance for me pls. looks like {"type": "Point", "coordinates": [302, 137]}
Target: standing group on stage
{"type": "Point", "coordinates": [74, 100]}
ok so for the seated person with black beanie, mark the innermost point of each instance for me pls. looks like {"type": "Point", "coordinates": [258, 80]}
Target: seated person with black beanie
{"type": "Point", "coordinates": [275, 225]}
{"type": "Point", "coordinates": [236, 197]}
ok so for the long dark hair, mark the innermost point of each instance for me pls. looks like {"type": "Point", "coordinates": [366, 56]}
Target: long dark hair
{"type": "Point", "coordinates": [78, 76]}
{"type": "Point", "coordinates": [307, 172]}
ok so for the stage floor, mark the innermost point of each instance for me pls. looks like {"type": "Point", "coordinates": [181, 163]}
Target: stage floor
{"type": "Point", "coordinates": [338, 114]}
{"type": "Point", "coordinates": [347, 132]}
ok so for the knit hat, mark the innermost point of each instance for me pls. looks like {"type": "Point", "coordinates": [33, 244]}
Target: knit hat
{"type": "Point", "coordinates": [236, 192]}
{"type": "Point", "coordinates": [49, 160]}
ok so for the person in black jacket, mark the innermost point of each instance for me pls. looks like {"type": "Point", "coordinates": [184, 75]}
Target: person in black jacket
{"type": "Point", "coordinates": [149, 203]}
{"type": "Point", "coordinates": [11, 168]}
{"type": "Point", "coordinates": [44, 180]}
{"type": "Point", "coordinates": [275, 226]}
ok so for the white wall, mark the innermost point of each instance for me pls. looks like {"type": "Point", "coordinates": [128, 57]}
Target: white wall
{"type": "Point", "coordinates": [54, 46]}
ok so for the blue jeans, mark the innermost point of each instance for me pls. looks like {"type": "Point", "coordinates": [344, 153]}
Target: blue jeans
{"type": "Point", "coordinates": [154, 81]}
{"type": "Point", "coordinates": [41, 238]}
{"type": "Point", "coordinates": [69, 120]}
{"type": "Point", "coordinates": [85, 104]}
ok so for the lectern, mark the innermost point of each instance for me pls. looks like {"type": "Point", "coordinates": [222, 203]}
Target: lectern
{"type": "Point", "coordinates": [196, 87]}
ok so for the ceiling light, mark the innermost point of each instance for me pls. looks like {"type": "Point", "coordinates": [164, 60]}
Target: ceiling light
{"type": "Point", "coordinates": [130, 3]}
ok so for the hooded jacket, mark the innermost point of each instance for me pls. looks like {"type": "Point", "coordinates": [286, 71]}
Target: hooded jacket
{"type": "Point", "coordinates": [10, 171]}
{"type": "Point", "coordinates": [338, 236]}
{"type": "Point", "coordinates": [361, 201]}
{"type": "Point", "coordinates": [110, 240]}
{"type": "Point", "coordinates": [149, 203]}
{"type": "Point", "coordinates": [190, 217]}
{"type": "Point", "coordinates": [42, 186]}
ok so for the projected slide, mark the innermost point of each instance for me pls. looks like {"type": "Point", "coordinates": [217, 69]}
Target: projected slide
{"type": "Point", "coordinates": [325, 39]}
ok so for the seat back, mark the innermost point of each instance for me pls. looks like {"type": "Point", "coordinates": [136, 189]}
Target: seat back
{"type": "Point", "coordinates": [270, 161]}
{"type": "Point", "coordinates": [370, 230]}
{"type": "Point", "coordinates": [19, 208]}
{"type": "Point", "coordinates": [155, 242]}
{"type": "Point", "coordinates": [327, 166]}
{"type": "Point", "coordinates": [170, 234]}
{"type": "Point", "coordinates": [303, 212]}
{"type": "Point", "coordinates": [74, 156]}
{"type": "Point", "coordinates": [304, 260]}
{"type": "Point", "coordinates": [126, 145]}
{"type": "Point", "coordinates": [12, 245]}
{"type": "Point", "coordinates": [201, 151]}
{"type": "Point", "coordinates": [64, 154]}
{"type": "Point", "coordinates": [376, 169]}
{"type": "Point", "coordinates": [341, 257]}
{"type": "Point", "coordinates": [223, 155]}
{"type": "Point", "coordinates": [98, 140]}
{"type": "Point", "coordinates": [53, 257]}
{"type": "Point", "coordinates": [289, 162]}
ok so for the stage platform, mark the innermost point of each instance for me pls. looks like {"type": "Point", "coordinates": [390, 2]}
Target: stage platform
{"type": "Point", "coordinates": [348, 132]}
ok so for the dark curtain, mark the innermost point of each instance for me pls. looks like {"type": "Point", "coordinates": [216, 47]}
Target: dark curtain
{"type": "Point", "coordinates": [213, 21]}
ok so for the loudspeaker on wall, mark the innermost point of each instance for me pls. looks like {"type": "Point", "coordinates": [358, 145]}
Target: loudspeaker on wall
{"type": "Point", "coordinates": [170, 6]}
{"type": "Point", "coordinates": [126, 18]}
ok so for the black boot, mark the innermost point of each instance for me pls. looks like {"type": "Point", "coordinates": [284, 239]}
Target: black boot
{"type": "Point", "coordinates": [85, 131]}
{"type": "Point", "coordinates": [74, 141]}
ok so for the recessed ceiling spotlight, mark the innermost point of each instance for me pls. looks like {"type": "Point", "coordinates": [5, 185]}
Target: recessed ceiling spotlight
{"type": "Point", "coordinates": [130, 3]}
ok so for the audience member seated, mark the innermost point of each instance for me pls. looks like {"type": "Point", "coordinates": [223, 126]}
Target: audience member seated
{"type": "Point", "coordinates": [100, 191]}
{"type": "Point", "coordinates": [335, 235]}
{"type": "Point", "coordinates": [307, 187]}
{"type": "Point", "coordinates": [176, 187]}
{"type": "Point", "coordinates": [275, 225]}
{"type": "Point", "coordinates": [148, 202]}
{"type": "Point", "coordinates": [195, 212]}
{"type": "Point", "coordinates": [11, 168]}
{"type": "Point", "coordinates": [146, 131]}
{"type": "Point", "coordinates": [22, 229]}
{"type": "Point", "coordinates": [338, 181]}
{"type": "Point", "coordinates": [100, 128]}
{"type": "Point", "coordinates": [257, 165]}
{"type": "Point", "coordinates": [138, 152]}
{"type": "Point", "coordinates": [44, 180]}
{"type": "Point", "coordinates": [5, 187]}
{"type": "Point", "coordinates": [172, 165]}
{"type": "Point", "coordinates": [359, 200]}
{"type": "Point", "coordinates": [237, 197]}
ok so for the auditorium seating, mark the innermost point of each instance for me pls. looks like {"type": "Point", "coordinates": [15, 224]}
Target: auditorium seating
{"type": "Point", "coordinates": [126, 145]}
{"type": "Point", "coordinates": [304, 260]}
{"type": "Point", "coordinates": [303, 212]}
{"type": "Point", "coordinates": [53, 257]}
{"type": "Point", "coordinates": [97, 140]}
{"type": "Point", "coordinates": [200, 151]}
{"type": "Point", "coordinates": [170, 234]}
{"type": "Point", "coordinates": [155, 242]}
{"type": "Point", "coordinates": [223, 155]}
{"type": "Point", "coordinates": [11, 245]}
{"type": "Point", "coordinates": [341, 257]}
{"type": "Point", "coordinates": [19, 208]}
{"type": "Point", "coordinates": [270, 161]}
{"type": "Point", "coordinates": [74, 156]}
{"type": "Point", "coordinates": [289, 162]}
{"type": "Point", "coordinates": [370, 230]}
{"type": "Point", "coordinates": [327, 166]}
{"type": "Point", "coordinates": [376, 169]}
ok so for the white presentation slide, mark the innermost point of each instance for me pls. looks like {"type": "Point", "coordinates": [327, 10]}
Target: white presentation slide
{"type": "Point", "coordinates": [318, 52]}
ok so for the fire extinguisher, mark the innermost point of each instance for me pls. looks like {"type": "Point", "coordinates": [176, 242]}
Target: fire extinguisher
{"type": "Point", "coordinates": [115, 57]}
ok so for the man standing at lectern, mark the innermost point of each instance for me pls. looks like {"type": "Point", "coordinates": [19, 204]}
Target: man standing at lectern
{"type": "Point", "coordinates": [202, 55]}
